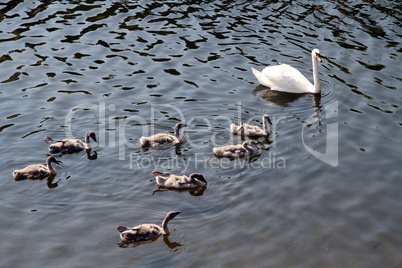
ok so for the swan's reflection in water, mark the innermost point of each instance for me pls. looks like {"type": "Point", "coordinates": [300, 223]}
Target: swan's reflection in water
{"type": "Point", "coordinates": [177, 146]}
{"type": "Point", "coordinates": [50, 180]}
{"type": "Point", "coordinates": [198, 191]}
{"type": "Point", "coordinates": [277, 98]}
{"type": "Point", "coordinates": [285, 99]}
{"type": "Point", "coordinates": [92, 156]}
{"type": "Point", "coordinates": [248, 158]}
{"type": "Point", "coordinates": [172, 245]}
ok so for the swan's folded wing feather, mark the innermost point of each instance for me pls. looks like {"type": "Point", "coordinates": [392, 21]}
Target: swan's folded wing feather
{"type": "Point", "coordinates": [285, 78]}
{"type": "Point", "coordinates": [262, 79]}
{"type": "Point", "coordinates": [162, 138]}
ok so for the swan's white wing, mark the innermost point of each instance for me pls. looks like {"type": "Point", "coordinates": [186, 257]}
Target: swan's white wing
{"type": "Point", "coordinates": [262, 79]}
{"type": "Point", "coordinates": [285, 78]}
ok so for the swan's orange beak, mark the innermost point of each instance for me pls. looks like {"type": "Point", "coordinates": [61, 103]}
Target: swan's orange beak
{"type": "Point", "coordinates": [318, 56]}
{"type": "Point", "coordinates": [156, 173]}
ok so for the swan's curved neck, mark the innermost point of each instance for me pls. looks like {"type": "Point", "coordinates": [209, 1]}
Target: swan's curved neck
{"type": "Point", "coordinates": [49, 166]}
{"type": "Point", "coordinates": [317, 84]}
{"type": "Point", "coordinates": [87, 139]}
{"type": "Point", "coordinates": [165, 225]}
{"type": "Point", "coordinates": [87, 142]}
{"type": "Point", "coordinates": [265, 125]}
{"type": "Point", "coordinates": [177, 134]}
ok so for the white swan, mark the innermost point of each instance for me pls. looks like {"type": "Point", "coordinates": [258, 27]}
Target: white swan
{"type": "Point", "coordinates": [146, 231]}
{"type": "Point", "coordinates": [285, 78]}
{"type": "Point", "coordinates": [250, 130]}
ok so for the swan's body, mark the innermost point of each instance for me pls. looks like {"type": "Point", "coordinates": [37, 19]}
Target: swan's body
{"type": "Point", "coordinates": [252, 131]}
{"type": "Point", "coordinates": [285, 78]}
{"type": "Point", "coordinates": [37, 171]}
{"type": "Point", "coordinates": [235, 150]}
{"type": "Point", "coordinates": [162, 138]}
{"type": "Point", "coordinates": [179, 182]}
{"type": "Point", "coordinates": [146, 231]}
{"type": "Point", "coordinates": [71, 145]}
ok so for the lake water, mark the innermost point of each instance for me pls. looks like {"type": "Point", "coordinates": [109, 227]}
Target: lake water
{"type": "Point", "coordinates": [324, 189]}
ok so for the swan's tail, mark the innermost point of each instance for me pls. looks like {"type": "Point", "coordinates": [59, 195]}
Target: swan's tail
{"type": "Point", "coordinates": [261, 78]}
{"type": "Point", "coordinates": [145, 141]}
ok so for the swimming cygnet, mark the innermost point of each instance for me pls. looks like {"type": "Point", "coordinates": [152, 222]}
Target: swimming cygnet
{"type": "Point", "coordinates": [146, 231]}
{"type": "Point", "coordinates": [235, 150]}
{"type": "Point", "coordinates": [162, 138]}
{"type": "Point", "coordinates": [37, 171]}
{"type": "Point", "coordinates": [250, 130]}
{"type": "Point", "coordinates": [179, 182]}
{"type": "Point", "coordinates": [71, 145]}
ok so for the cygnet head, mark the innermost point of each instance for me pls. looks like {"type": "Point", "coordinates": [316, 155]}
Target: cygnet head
{"type": "Point", "coordinates": [52, 159]}
{"type": "Point", "coordinates": [266, 117]}
{"type": "Point", "coordinates": [199, 177]}
{"type": "Point", "coordinates": [172, 214]}
{"type": "Point", "coordinates": [316, 53]}
{"type": "Point", "coordinates": [91, 134]}
{"type": "Point", "coordinates": [180, 125]}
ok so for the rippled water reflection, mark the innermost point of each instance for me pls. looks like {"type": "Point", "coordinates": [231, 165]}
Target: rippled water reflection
{"type": "Point", "coordinates": [127, 68]}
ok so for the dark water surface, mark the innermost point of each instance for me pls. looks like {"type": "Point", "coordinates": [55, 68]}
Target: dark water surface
{"type": "Point", "coordinates": [324, 190]}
